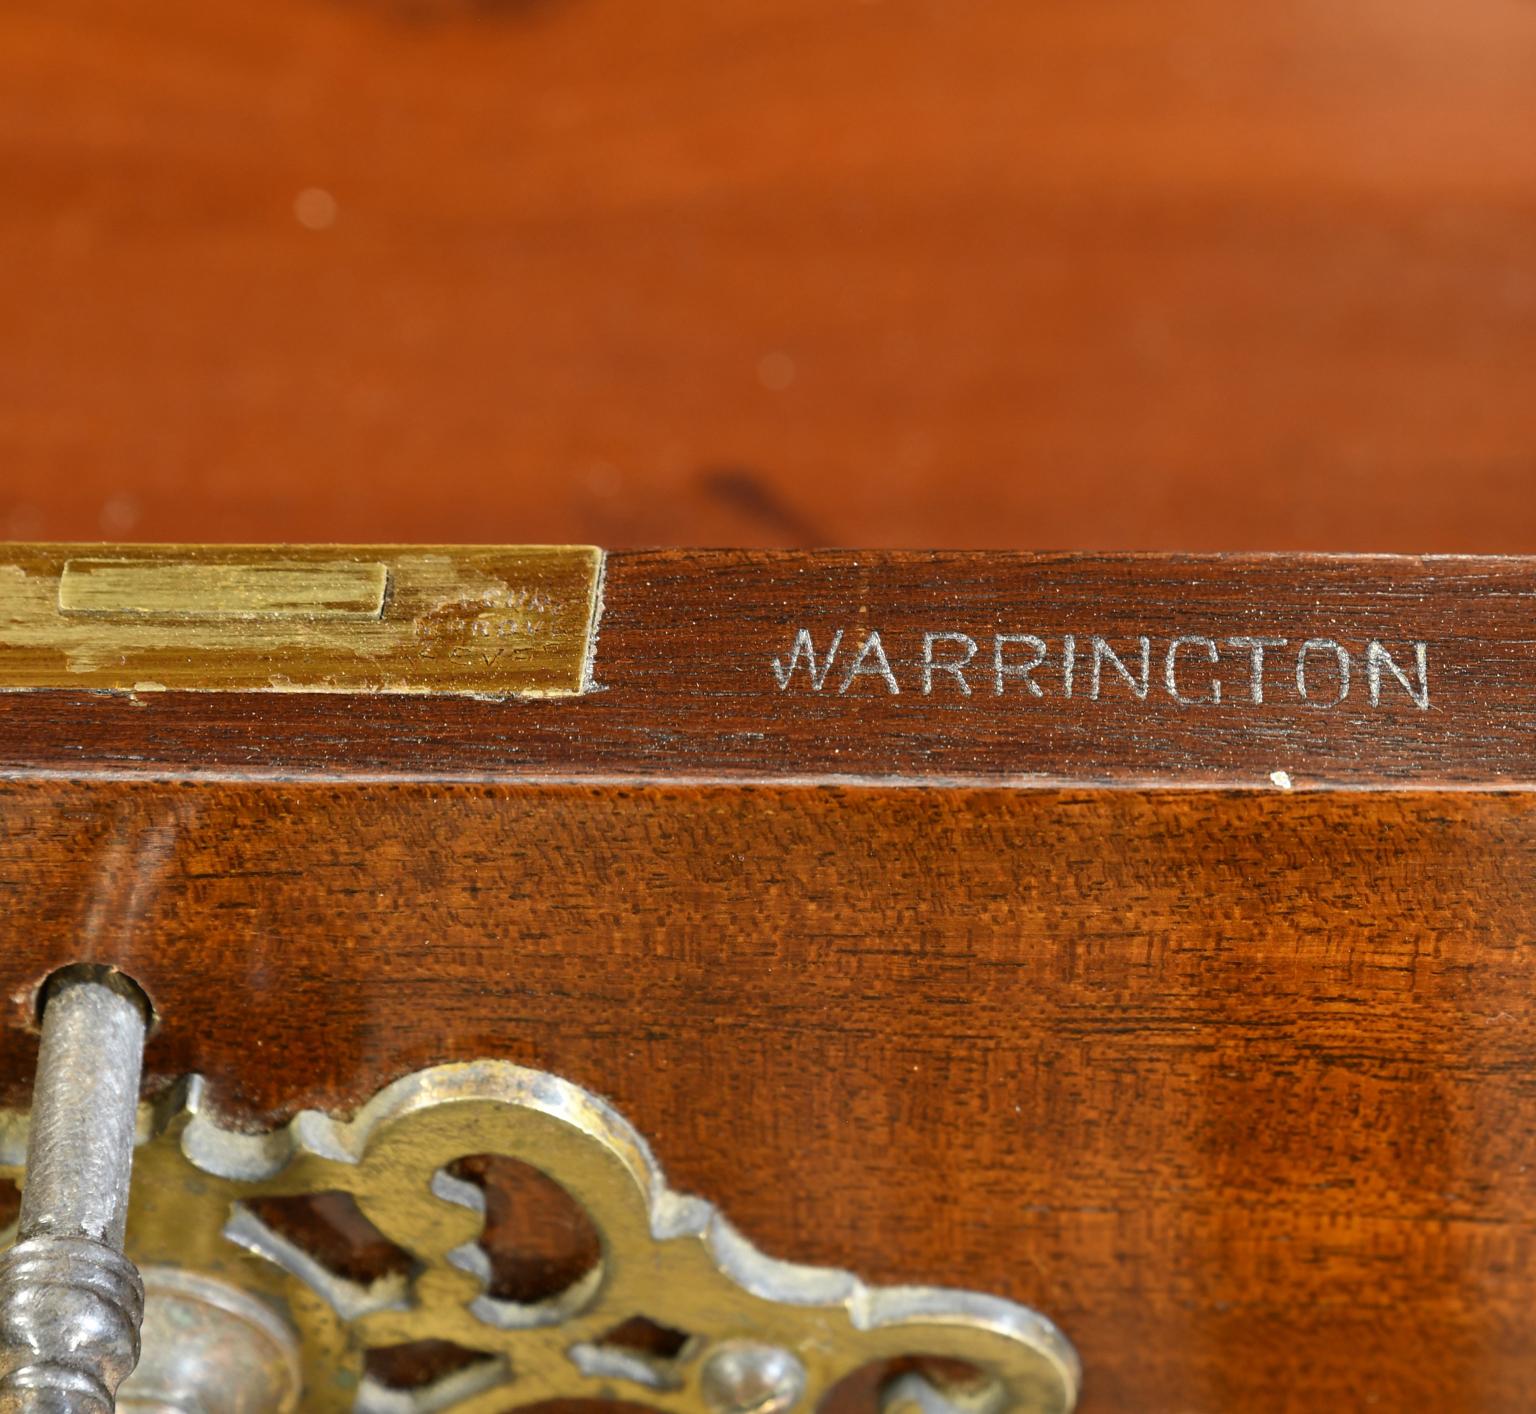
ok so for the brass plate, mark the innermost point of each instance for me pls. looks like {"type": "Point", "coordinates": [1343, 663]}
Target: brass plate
{"type": "Point", "coordinates": [482, 621]}
{"type": "Point", "coordinates": [191, 589]}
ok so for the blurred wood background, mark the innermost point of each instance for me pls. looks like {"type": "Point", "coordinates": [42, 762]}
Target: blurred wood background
{"type": "Point", "coordinates": [1190, 274]}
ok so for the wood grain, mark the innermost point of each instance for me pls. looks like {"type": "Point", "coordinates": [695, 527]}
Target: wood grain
{"type": "Point", "coordinates": [1067, 998]}
{"type": "Point", "coordinates": [1191, 275]}
{"type": "Point", "coordinates": [688, 642]}
{"type": "Point", "coordinates": [1236, 1086]}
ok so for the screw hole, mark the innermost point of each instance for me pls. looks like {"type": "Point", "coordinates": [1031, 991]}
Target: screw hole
{"type": "Point", "coordinates": [103, 975]}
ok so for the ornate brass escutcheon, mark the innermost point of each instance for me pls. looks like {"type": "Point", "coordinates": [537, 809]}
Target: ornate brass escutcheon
{"type": "Point", "coordinates": [678, 1312]}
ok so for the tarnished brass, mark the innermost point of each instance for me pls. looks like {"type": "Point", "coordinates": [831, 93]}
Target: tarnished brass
{"type": "Point", "coordinates": [482, 621]}
{"type": "Point", "coordinates": [756, 1334]}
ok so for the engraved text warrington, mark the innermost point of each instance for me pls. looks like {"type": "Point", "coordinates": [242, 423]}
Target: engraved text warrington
{"type": "Point", "coordinates": [1189, 670]}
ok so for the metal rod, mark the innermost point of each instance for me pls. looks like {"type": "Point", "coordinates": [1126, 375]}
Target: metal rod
{"type": "Point", "coordinates": [84, 1104]}
{"type": "Point", "coordinates": [70, 1302]}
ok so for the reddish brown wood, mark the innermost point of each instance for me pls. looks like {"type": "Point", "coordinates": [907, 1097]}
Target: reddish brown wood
{"type": "Point", "coordinates": [1191, 275]}
{"type": "Point", "coordinates": [1232, 1081]}
{"type": "Point", "coordinates": [688, 641]}
{"type": "Point", "coordinates": [1234, 1085]}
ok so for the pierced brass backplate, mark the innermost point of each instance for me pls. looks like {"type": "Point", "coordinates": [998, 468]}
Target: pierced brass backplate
{"type": "Point", "coordinates": [747, 1334]}
{"type": "Point", "coordinates": [492, 620]}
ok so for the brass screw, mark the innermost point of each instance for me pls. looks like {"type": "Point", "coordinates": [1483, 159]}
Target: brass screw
{"type": "Point", "coordinates": [744, 1377]}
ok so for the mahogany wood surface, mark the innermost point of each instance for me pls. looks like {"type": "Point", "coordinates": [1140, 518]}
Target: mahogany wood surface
{"type": "Point", "coordinates": [1232, 1079]}
{"type": "Point", "coordinates": [699, 677]}
{"type": "Point", "coordinates": [1238, 1087]}
{"type": "Point", "coordinates": [1119, 275]}
{"type": "Point", "coordinates": [1071, 999]}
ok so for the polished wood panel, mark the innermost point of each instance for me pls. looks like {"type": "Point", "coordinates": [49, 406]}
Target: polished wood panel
{"type": "Point", "coordinates": [1205, 1026]}
{"type": "Point", "coordinates": [1236, 1086]}
{"type": "Point", "coordinates": [702, 674]}
{"type": "Point", "coordinates": [1190, 275]}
